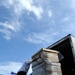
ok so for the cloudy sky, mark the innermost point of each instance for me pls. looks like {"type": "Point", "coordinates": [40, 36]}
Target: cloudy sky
{"type": "Point", "coordinates": [26, 26]}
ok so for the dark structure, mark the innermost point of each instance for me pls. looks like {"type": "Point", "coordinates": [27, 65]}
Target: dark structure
{"type": "Point", "coordinates": [66, 46]}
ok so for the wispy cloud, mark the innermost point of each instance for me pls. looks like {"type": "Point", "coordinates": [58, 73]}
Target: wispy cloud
{"type": "Point", "coordinates": [6, 25]}
{"type": "Point", "coordinates": [47, 16]}
{"type": "Point", "coordinates": [31, 7]}
{"type": "Point", "coordinates": [66, 19]}
{"type": "Point", "coordinates": [16, 9]}
{"type": "Point", "coordinates": [51, 22]}
{"type": "Point", "coordinates": [7, 67]}
{"type": "Point", "coordinates": [7, 34]}
{"type": "Point", "coordinates": [72, 5]}
{"type": "Point", "coordinates": [50, 13]}
{"type": "Point", "coordinates": [19, 6]}
{"type": "Point", "coordinates": [8, 28]}
{"type": "Point", "coordinates": [41, 38]}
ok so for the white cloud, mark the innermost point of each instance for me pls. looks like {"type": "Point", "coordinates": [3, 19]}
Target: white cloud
{"type": "Point", "coordinates": [50, 13]}
{"type": "Point", "coordinates": [41, 38]}
{"type": "Point", "coordinates": [29, 6]}
{"type": "Point", "coordinates": [18, 6]}
{"type": "Point", "coordinates": [72, 4]}
{"type": "Point", "coordinates": [40, 10]}
{"type": "Point", "coordinates": [8, 28]}
{"type": "Point", "coordinates": [6, 25]}
{"type": "Point", "coordinates": [7, 33]}
{"type": "Point", "coordinates": [7, 67]}
{"type": "Point", "coordinates": [66, 19]}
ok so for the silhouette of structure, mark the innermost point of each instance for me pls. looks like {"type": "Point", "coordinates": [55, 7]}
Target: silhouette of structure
{"type": "Point", "coordinates": [66, 46]}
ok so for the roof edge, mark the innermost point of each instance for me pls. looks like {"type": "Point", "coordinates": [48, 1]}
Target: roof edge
{"type": "Point", "coordinates": [59, 41]}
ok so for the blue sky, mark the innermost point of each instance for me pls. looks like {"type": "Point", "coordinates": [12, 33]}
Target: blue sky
{"type": "Point", "coordinates": [26, 26]}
